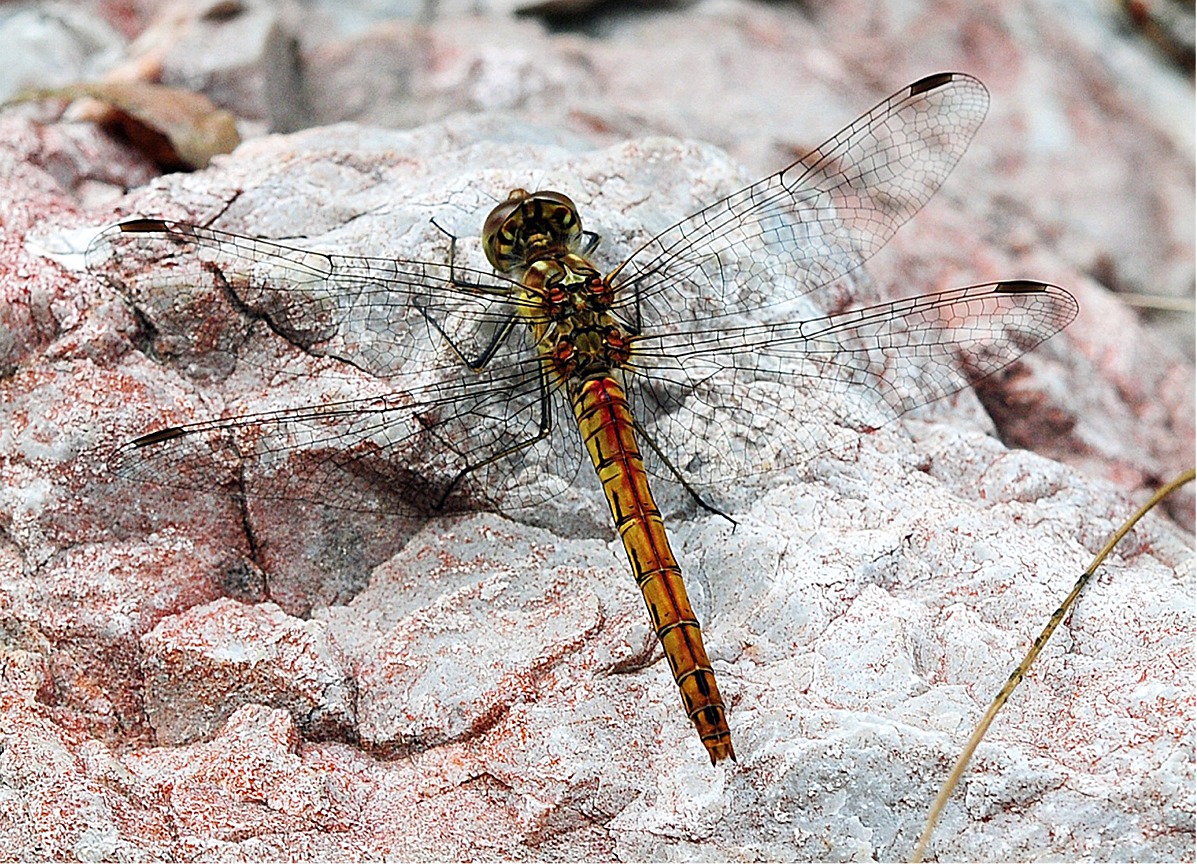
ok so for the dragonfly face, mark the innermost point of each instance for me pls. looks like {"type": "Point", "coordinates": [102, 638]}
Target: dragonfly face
{"type": "Point", "coordinates": [663, 365]}
{"type": "Point", "coordinates": [528, 227]}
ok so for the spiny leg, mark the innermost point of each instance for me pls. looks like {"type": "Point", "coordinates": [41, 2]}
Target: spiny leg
{"type": "Point", "coordinates": [685, 484]}
{"type": "Point", "coordinates": [544, 428]}
{"type": "Point", "coordinates": [479, 362]}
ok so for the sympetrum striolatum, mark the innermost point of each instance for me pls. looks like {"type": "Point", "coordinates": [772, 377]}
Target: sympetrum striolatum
{"type": "Point", "coordinates": [670, 365]}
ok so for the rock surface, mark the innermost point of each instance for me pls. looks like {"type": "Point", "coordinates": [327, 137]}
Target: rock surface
{"type": "Point", "coordinates": [488, 685]}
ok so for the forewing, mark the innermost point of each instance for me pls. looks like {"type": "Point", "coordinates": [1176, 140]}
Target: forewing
{"type": "Point", "coordinates": [813, 221]}
{"type": "Point", "coordinates": [384, 315]}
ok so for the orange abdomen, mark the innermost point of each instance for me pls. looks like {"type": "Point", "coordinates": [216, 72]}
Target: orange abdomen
{"type": "Point", "coordinates": [601, 408]}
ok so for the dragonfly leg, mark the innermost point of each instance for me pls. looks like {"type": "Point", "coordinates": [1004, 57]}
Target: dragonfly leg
{"type": "Point", "coordinates": [474, 363]}
{"type": "Point", "coordinates": [590, 242]}
{"type": "Point", "coordinates": [479, 362]}
{"type": "Point", "coordinates": [454, 280]}
{"type": "Point", "coordinates": [677, 475]}
{"type": "Point", "coordinates": [544, 427]}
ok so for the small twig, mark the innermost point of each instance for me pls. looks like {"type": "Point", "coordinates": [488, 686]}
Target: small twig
{"type": "Point", "coordinates": [1018, 674]}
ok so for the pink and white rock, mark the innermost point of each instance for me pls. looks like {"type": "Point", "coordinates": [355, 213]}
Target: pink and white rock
{"type": "Point", "coordinates": [509, 698]}
{"type": "Point", "coordinates": [203, 664]}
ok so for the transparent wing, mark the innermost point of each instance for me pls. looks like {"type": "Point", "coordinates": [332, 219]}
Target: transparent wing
{"type": "Point", "coordinates": [458, 411]}
{"type": "Point", "coordinates": [728, 402]}
{"type": "Point", "coordinates": [380, 314]}
{"type": "Point", "coordinates": [438, 434]}
{"type": "Point", "coordinates": [815, 220]}
{"type": "Point", "coordinates": [496, 440]}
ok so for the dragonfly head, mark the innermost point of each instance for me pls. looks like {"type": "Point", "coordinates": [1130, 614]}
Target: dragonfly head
{"type": "Point", "coordinates": [528, 227]}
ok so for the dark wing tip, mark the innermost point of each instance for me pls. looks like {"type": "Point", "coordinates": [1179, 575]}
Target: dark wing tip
{"type": "Point", "coordinates": [157, 436]}
{"type": "Point", "coordinates": [143, 226]}
{"type": "Point", "coordinates": [1021, 286]}
{"type": "Point", "coordinates": [932, 82]}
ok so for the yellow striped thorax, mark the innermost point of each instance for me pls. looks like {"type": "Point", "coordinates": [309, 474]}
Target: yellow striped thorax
{"type": "Point", "coordinates": [566, 299]}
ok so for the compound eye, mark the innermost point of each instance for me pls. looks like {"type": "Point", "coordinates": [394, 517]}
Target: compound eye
{"type": "Point", "coordinates": [557, 217]}
{"type": "Point", "coordinates": [492, 243]}
{"type": "Point", "coordinates": [502, 212]}
{"type": "Point", "coordinates": [560, 200]}
{"type": "Point", "coordinates": [529, 222]}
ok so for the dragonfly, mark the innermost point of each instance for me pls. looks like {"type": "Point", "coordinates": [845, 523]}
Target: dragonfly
{"type": "Point", "coordinates": [691, 362]}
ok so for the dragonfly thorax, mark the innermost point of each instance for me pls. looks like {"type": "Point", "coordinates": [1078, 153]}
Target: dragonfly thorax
{"type": "Point", "coordinates": [579, 351]}
{"type": "Point", "coordinates": [529, 227]}
{"type": "Point", "coordinates": [559, 287]}
{"type": "Point", "coordinates": [567, 303]}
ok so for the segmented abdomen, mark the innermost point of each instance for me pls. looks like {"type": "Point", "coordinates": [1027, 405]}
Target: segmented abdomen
{"type": "Point", "coordinates": [601, 408]}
